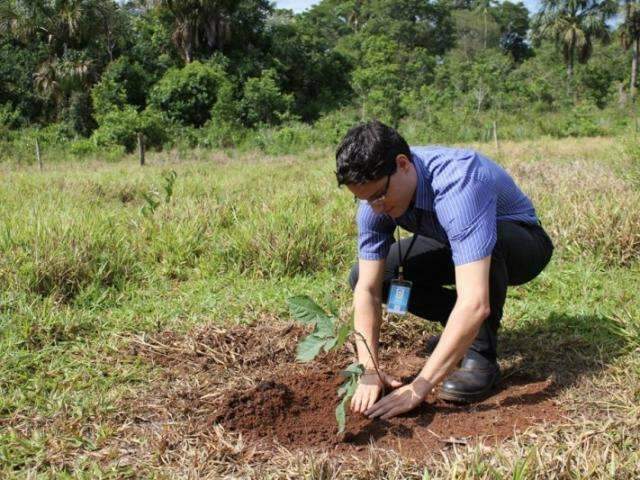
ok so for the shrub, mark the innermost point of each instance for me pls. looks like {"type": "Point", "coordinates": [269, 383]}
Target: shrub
{"type": "Point", "coordinates": [187, 95]}
{"type": "Point", "coordinates": [83, 147]}
{"type": "Point", "coordinates": [225, 128]}
{"type": "Point", "coordinates": [122, 83]}
{"type": "Point", "coordinates": [263, 101]}
{"type": "Point", "coordinates": [78, 114]}
{"type": "Point", "coordinates": [9, 117]}
{"type": "Point", "coordinates": [121, 127]}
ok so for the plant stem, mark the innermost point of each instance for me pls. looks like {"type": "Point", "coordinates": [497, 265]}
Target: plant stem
{"type": "Point", "coordinates": [373, 360]}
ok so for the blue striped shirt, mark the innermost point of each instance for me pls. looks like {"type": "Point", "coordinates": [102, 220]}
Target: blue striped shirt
{"type": "Point", "coordinates": [461, 193]}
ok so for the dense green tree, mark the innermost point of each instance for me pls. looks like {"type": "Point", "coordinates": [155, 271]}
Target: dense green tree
{"type": "Point", "coordinates": [79, 36]}
{"type": "Point", "coordinates": [511, 17]}
{"type": "Point", "coordinates": [330, 20]}
{"type": "Point", "coordinates": [263, 101]}
{"type": "Point", "coordinates": [123, 82]}
{"type": "Point", "coordinates": [378, 80]}
{"type": "Point", "coordinates": [150, 42]}
{"type": "Point", "coordinates": [599, 80]}
{"type": "Point", "coordinates": [17, 65]}
{"type": "Point", "coordinates": [410, 23]}
{"type": "Point", "coordinates": [187, 94]}
{"type": "Point", "coordinates": [121, 127]}
{"type": "Point", "coordinates": [513, 20]}
{"type": "Point", "coordinates": [316, 74]}
{"type": "Point", "coordinates": [475, 32]}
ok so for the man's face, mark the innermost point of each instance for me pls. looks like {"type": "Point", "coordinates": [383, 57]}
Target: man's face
{"type": "Point", "coordinates": [390, 194]}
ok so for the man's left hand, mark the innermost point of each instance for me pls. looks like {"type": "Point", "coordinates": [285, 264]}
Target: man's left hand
{"type": "Point", "coordinates": [401, 400]}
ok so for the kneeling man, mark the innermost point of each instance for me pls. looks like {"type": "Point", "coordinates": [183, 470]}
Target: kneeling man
{"type": "Point", "coordinates": [473, 229]}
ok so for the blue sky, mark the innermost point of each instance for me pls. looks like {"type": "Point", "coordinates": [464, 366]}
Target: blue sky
{"type": "Point", "coordinates": [301, 5]}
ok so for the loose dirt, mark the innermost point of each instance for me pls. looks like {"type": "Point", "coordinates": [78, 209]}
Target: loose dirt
{"type": "Point", "coordinates": [247, 381]}
{"type": "Point", "coordinates": [297, 411]}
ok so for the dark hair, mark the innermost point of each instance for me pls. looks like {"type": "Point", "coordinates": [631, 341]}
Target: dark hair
{"type": "Point", "coordinates": [368, 152]}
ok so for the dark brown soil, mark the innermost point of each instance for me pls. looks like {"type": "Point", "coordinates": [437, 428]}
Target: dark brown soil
{"type": "Point", "coordinates": [298, 411]}
{"type": "Point", "coordinates": [247, 380]}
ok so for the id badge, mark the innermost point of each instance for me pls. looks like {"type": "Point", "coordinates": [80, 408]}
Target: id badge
{"type": "Point", "coordinates": [399, 293]}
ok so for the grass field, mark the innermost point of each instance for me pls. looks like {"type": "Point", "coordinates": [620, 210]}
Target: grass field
{"type": "Point", "coordinates": [98, 260]}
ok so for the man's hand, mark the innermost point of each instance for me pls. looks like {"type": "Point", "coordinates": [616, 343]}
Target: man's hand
{"type": "Point", "coordinates": [400, 401]}
{"type": "Point", "coordinates": [369, 389]}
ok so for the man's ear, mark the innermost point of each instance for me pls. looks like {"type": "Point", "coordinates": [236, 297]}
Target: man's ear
{"type": "Point", "coordinates": [402, 162]}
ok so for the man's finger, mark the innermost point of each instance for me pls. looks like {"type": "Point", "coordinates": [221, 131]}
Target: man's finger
{"type": "Point", "coordinates": [370, 401]}
{"type": "Point", "coordinates": [381, 411]}
{"type": "Point", "coordinates": [381, 405]}
{"type": "Point", "coordinates": [392, 413]}
{"type": "Point", "coordinates": [358, 403]}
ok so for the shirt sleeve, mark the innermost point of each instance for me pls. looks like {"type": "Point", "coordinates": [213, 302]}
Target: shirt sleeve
{"type": "Point", "coordinates": [375, 233]}
{"type": "Point", "coordinates": [466, 208]}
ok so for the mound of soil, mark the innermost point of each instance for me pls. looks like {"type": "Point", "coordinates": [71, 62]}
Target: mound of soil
{"type": "Point", "coordinates": [298, 411]}
{"type": "Point", "coordinates": [247, 380]}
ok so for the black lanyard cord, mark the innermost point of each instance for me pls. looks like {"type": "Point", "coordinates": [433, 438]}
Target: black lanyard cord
{"type": "Point", "coordinates": [413, 240]}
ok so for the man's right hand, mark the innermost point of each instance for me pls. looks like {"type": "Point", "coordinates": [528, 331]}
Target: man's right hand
{"type": "Point", "coordinates": [369, 389]}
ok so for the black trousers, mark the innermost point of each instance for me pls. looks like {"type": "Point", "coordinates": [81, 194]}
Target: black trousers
{"type": "Point", "coordinates": [521, 252]}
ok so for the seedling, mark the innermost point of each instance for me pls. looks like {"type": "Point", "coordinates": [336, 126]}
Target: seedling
{"type": "Point", "coordinates": [153, 197]}
{"type": "Point", "coordinates": [328, 334]}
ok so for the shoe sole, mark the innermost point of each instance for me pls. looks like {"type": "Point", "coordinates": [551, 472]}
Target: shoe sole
{"type": "Point", "coordinates": [464, 398]}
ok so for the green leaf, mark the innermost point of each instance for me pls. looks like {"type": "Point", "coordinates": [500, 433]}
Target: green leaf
{"type": "Point", "coordinates": [346, 390]}
{"type": "Point", "coordinates": [341, 414]}
{"type": "Point", "coordinates": [354, 370]}
{"type": "Point", "coordinates": [325, 327]}
{"type": "Point", "coordinates": [329, 344]}
{"type": "Point", "coordinates": [305, 310]}
{"type": "Point", "coordinates": [343, 333]}
{"type": "Point", "coordinates": [309, 348]}
{"type": "Point", "coordinates": [342, 389]}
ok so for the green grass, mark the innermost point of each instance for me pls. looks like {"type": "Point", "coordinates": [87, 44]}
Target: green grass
{"type": "Point", "coordinates": [82, 268]}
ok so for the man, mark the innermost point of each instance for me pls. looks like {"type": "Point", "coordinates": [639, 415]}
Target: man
{"type": "Point", "coordinates": [474, 228]}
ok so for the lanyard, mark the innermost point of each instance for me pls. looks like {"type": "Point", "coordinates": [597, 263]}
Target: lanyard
{"type": "Point", "coordinates": [401, 259]}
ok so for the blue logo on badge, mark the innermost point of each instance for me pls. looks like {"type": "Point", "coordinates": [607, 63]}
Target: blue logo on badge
{"type": "Point", "coordinates": [399, 298]}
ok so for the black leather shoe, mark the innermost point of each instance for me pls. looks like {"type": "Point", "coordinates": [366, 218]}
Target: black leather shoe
{"type": "Point", "coordinates": [472, 382]}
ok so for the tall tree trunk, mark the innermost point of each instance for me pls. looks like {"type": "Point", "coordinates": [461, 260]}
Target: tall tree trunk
{"type": "Point", "coordinates": [572, 50]}
{"type": "Point", "coordinates": [484, 14]}
{"type": "Point", "coordinates": [634, 67]}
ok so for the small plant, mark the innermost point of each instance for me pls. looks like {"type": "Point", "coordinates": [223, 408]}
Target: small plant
{"type": "Point", "coordinates": [151, 205]}
{"type": "Point", "coordinates": [153, 198]}
{"type": "Point", "coordinates": [328, 334]}
{"type": "Point", "coordinates": [169, 182]}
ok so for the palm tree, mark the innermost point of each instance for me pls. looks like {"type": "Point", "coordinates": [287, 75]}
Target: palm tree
{"type": "Point", "coordinates": [59, 24]}
{"type": "Point", "coordinates": [199, 20]}
{"type": "Point", "coordinates": [574, 24]}
{"type": "Point", "coordinates": [484, 7]}
{"type": "Point", "coordinates": [56, 79]}
{"type": "Point", "coordinates": [630, 38]}
{"type": "Point", "coordinates": [18, 18]}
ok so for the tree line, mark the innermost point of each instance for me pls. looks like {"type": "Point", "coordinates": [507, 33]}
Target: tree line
{"type": "Point", "coordinates": [210, 70]}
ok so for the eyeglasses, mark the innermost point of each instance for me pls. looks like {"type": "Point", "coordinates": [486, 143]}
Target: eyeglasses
{"type": "Point", "coordinates": [380, 198]}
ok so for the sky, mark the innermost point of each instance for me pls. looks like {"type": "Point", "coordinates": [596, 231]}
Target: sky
{"type": "Point", "coordinates": [300, 5]}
